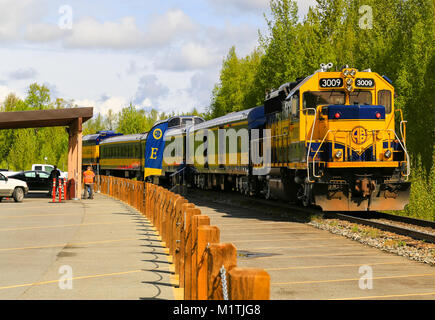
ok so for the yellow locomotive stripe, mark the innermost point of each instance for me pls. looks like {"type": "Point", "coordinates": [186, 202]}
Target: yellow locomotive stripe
{"type": "Point", "coordinates": [365, 164]}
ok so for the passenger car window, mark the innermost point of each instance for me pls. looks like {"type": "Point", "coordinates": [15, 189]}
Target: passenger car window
{"type": "Point", "coordinates": [2, 177]}
{"type": "Point", "coordinates": [38, 167]}
{"type": "Point", "coordinates": [30, 174]}
{"type": "Point", "coordinates": [384, 99]}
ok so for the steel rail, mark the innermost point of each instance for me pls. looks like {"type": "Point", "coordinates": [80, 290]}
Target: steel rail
{"type": "Point", "coordinates": [368, 222]}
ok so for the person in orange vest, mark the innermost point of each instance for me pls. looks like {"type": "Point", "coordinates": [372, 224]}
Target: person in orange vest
{"type": "Point", "coordinates": [88, 179]}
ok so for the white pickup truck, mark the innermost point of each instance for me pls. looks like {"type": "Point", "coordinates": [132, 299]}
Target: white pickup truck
{"type": "Point", "coordinates": [12, 188]}
{"type": "Point", "coordinates": [48, 168]}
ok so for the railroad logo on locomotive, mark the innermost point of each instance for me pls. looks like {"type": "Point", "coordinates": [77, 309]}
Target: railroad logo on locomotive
{"type": "Point", "coordinates": [359, 135]}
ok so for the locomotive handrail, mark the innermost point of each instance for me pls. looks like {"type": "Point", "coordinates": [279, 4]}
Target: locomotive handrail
{"type": "Point", "coordinates": [311, 140]}
{"type": "Point", "coordinates": [408, 167]}
{"type": "Point", "coordinates": [315, 155]}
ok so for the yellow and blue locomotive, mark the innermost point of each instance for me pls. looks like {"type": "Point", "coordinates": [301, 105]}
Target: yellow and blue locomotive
{"type": "Point", "coordinates": [334, 135]}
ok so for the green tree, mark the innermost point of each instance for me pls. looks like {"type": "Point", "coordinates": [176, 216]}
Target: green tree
{"type": "Point", "coordinates": [38, 97]}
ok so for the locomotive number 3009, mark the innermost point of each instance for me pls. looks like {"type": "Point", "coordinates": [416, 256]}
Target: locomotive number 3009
{"type": "Point", "coordinates": [364, 83]}
{"type": "Point", "coordinates": [331, 83]}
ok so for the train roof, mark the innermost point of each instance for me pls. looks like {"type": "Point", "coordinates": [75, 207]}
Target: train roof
{"type": "Point", "coordinates": [229, 118]}
{"type": "Point", "coordinates": [100, 136]}
{"type": "Point", "coordinates": [125, 138]}
{"type": "Point", "coordinates": [169, 120]}
{"type": "Point", "coordinates": [298, 86]}
{"type": "Point", "coordinates": [90, 137]}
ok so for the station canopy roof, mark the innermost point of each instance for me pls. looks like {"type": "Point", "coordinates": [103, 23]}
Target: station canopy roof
{"type": "Point", "coordinates": [44, 118]}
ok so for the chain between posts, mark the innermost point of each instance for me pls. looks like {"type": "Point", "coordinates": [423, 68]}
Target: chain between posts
{"type": "Point", "coordinates": [223, 272]}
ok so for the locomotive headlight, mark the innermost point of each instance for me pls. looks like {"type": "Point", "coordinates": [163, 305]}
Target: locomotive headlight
{"type": "Point", "coordinates": [387, 154]}
{"type": "Point", "coordinates": [338, 154]}
{"type": "Point", "coordinates": [353, 73]}
{"type": "Point", "coordinates": [349, 81]}
{"type": "Point", "coordinates": [346, 72]}
{"type": "Point", "coordinates": [349, 88]}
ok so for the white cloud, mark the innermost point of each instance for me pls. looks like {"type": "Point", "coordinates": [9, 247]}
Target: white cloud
{"type": "Point", "coordinates": [241, 5]}
{"type": "Point", "coordinates": [124, 34]}
{"type": "Point", "coordinates": [89, 33]}
{"type": "Point", "coordinates": [114, 103]}
{"type": "Point", "coordinates": [188, 56]}
{"type": "Point", "coordinates": [43, 32]}
{"type": "Point", "coordinates": [14, 15]}
{"type": "Point", "coordinates": [169, 26]}
{"type": "Point", "coordinates": [5, 91]}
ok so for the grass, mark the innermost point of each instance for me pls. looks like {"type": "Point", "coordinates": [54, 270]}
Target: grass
{"type": "Point", "coordinates": [422, 198]}
{"type": "Point", "coordinates": [355, 229]}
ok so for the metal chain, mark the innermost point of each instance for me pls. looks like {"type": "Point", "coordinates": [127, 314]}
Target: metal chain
{"type": "Point", "coordinates": [224, 282]}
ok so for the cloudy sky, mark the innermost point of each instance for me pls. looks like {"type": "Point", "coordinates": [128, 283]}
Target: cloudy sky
{"type": "Point", "coordinates": [106, 54]}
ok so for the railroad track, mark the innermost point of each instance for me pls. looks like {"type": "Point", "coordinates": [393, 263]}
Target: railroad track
{"type": "Point", "coordinates": [387, 222]}
{"type": "Point", "coordinates": [405, 226]}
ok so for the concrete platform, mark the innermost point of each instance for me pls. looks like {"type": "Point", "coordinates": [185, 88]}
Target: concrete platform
{"type": "Point", "coordinates": [308, 263]}
{"type": "Point", "coordinates": [108, 250]}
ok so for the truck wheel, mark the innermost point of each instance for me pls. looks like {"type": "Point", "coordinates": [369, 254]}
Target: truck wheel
{"type": "Point", "coordinates": [18, 195]}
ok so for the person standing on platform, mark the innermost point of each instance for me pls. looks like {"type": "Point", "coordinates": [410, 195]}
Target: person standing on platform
{"type": "Point", "coordinates": [88, 179]}
{"type": "Point", "coordinates": [54, 174]}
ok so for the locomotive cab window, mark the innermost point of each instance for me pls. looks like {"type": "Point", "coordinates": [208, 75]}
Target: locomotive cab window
{"type": "Point", "coordinates": [384, 99]}
{"type": "Point", "coordinates": [360, 97]}
{"type": "Point", "coordinates": [312, 99]}
{"type": "Point", "coordinates": [295, 106]}
{"type": "Point", "coordinates": [186, 122]}
{"type": "Point", "coordinates": [175, 122]}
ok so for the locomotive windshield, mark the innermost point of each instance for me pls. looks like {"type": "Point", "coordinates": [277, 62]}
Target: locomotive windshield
{"type": "Point", "coordinates": [360, 97]}
{"type": "Point", "coordinates": [312, 99]}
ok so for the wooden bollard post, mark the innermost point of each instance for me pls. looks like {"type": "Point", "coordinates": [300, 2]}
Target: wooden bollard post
{"type": "Point", "coordinates": [152, 198]}
{"type": "Point", "coordinates": [249, 284]}
{"type": "Point", "coordinates": [186, 216]}
{"type": "Point", "coordinates": [159, 208]}
{"type": "Point", "coordinates": [220, 254]}
{"type": "Point", "coordinates": [206, 236]}
{"type": "Point", "coordinates": [164, 215]}
{"type": "Point", "coordinates": [190, 213]}
{"type": "Point", "coordinates": [171, 231]}
{"type": "Point", "coordinates": [177, 226]}
{"type": "Point", "coordinates": [197, 221]}
{"type": "Point", "coordinates": [168, 222]}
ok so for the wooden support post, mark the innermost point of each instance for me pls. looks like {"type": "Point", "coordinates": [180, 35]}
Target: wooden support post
{"type": "Point", "coordinates": [177, 226]}
{"type": "Point", "coordinates": [75, 160]}
{"type": "Point", "coordinates": [206, 236]}
{"type": "Point", "coordinates": [164, 215]}
{"type": "Point", "coordinates": [249, 284]}
{"type": "Point", "coordinates": [190, 213]}
{"type": "Point", "coordinates": [186, 216]}
{"type": "Point", "coordinates": [197, 221]}
{"type": "Point", "coordinates": [220, 254]}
